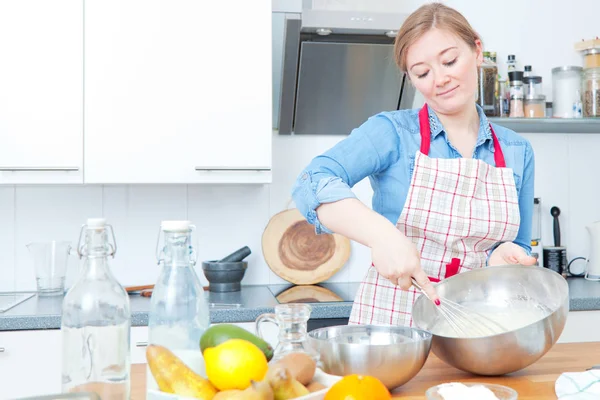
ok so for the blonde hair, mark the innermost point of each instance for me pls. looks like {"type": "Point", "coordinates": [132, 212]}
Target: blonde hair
{"type": "Point", "coordinates": [426, 17]}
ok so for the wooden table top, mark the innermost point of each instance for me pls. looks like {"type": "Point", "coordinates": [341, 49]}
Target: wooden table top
{"type": "Point", "coordinates": [533, 383]}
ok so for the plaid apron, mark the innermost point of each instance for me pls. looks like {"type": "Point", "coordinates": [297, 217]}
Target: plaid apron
{"type": "Point", "coordinates": [455, 211]}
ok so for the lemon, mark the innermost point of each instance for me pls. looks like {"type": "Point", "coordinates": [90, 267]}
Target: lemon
{"type": "Point", "coordinates": [234, 363]}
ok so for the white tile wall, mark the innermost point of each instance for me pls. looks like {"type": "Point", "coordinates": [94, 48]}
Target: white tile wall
{"type": "Point", "coordinates": [583, 190]}
{"type": "Point", "coordinates": [229, 216]}
{"type": "Point", "coordinates": [7, 238]}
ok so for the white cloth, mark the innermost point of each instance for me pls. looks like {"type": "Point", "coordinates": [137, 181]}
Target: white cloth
{"type": "Point", "coordinates": [578, 385]}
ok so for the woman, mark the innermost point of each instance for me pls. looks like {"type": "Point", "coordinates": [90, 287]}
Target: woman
{"type": "Point", "coordinates": [452, 192]}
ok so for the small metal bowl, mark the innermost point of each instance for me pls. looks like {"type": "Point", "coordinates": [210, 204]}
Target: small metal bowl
{"type": "Point", "coordinates": [392, 354]}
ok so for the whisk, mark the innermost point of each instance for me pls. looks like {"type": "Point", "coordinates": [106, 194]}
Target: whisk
{"type": "Point", "coordinates": [462, 320]}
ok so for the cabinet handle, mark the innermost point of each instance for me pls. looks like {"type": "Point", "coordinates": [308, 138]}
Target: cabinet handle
{"type": "Point", "coordinates": [42, 169]}
{"type": "Point", "coordinates": [141, 344]}
{"type": "Point", "coordinates": [235, 169]}
{"type": "Point", "coordinates": [1, 349]}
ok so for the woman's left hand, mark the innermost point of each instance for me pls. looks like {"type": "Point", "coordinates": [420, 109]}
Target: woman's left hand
{"type": "Point", "coordinates": [510, 253]}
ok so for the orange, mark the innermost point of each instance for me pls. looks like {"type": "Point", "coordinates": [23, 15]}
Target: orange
{"type": "Point", "coordinates": [358, 387]}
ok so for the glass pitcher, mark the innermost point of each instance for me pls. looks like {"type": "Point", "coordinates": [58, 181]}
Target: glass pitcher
{"type": "Point", "coordinates": [292, 321]}
{"type": "Point", "coordinates": [50, 262]}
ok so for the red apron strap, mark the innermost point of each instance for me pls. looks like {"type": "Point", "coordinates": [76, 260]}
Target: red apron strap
{"type": "Point", "coordinates": [425, 130]}
{"type": "Point", "coordinates": [452, 268]}
{"type": "Point", "coordinates": [426, 138]}
{"type": "Point", "coordinates": [498, 155]}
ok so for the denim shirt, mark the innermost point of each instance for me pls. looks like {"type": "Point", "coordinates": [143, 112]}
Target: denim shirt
{"type": "Point", "coordinates": [383, 149]}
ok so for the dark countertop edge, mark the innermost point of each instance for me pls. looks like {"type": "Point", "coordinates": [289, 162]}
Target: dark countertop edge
{"type": "Point", "coordinates": [225, 315]}
{"type": "Point", "coordinates": [232, 315]}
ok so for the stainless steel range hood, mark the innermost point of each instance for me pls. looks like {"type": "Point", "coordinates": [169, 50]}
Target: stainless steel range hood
{"type": "Point", "coordinates": [338, 70]}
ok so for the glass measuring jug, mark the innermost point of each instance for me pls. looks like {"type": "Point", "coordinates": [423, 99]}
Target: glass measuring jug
{"type": "Point", "coordinates": [292, 321]}
{"type": "Point", "coordinates": [50, 262]}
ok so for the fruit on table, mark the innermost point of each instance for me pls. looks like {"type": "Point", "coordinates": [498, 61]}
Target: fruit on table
{"type": "Point", "coordinates": [285, 386]}
{"type": "Point", "coordinates": [315, 387]}
{"type": "Point", "coordinates": [217, 334]}
{"type": "Point", "coordinates": [358, 387]}
{"type": "Point", "coordinates": [234, 363]}
{"type": "Point", "coordinates": [256, 391]}
{"type": "Point", "coordinates": [301, 366]}
{"type": "Point", "coordinates": [173, 376]}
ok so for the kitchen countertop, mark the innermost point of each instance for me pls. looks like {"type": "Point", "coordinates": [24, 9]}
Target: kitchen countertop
{"type": "Point", "coordinates": [44, 312]}
{"type": "Point", "coordinates": [535, 382]}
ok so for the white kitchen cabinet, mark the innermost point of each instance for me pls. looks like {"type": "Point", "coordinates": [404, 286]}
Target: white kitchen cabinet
{"type": "Point", "coordinates": [30, 363]}
{"type": "Point", "coordinates": [139, 343]}
{"type": "Point", "coordinates": [581, 326]}
{"type": "Point", "coordinates": [41, 95]}
{"type": "Point", "coordinates": [177, 91]}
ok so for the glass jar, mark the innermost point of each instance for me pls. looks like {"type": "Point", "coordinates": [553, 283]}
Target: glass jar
{"type": "Point", "coordinates": [96, 320]}
{"type": "Point", "coordinates": [517, 94]}
{"type": "Point", "coordinates": [532, 85]}
{"type": "Point", "coordinates": [591, 92]}
{"type": "Point", "coordinates": [488, 76]}
{"type": "Point", "coordinates": [179, 312]}
{"type": "Point", "coordinates": [591, 58]}
{"type": "Point", "coordinates": [535, 106]}
{"type": "Point", "coordinates": [502, 103]}
{"type": "Point", "coordinates": [566, 89]}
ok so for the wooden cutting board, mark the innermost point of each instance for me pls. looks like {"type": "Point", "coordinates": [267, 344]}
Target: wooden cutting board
{"type": "Point", "coordinates": [307, 294]}
{"type": "Point", "coordinates": [297, 254]}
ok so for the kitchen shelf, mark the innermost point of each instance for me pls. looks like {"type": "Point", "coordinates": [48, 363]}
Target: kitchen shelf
{"type": "Point", "coordinates": [549, 125]}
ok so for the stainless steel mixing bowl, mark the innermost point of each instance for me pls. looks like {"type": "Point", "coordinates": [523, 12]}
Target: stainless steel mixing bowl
{"type": "Point", "coordinates": [499, 286]}
{"type": "Point", "coordinates": [393, 354]}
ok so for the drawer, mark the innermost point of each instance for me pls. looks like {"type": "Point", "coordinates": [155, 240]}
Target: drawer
{"type": "Point", "coordinates": [30, 363]}
{"type": "Point", "coordinates": [139, 342]}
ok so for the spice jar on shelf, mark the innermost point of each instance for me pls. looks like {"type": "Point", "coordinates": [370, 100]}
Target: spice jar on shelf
{"type": "Point", "coordinates": [532, 85]}
{"type": "Point", "coordinates": [591, 92]}
{"type": "Point", "coordinates": [535, 106]}
{"type": "Point", "coordinates": [591, 58]}
{"type": "Point", "coordinates": [566, 91]}
{"type": "Point", "coordinates": [486, 94]}
{"type": "Point", "coordinates": [517, 94]}
{"type": "Point", "coordinates": [502, 102]}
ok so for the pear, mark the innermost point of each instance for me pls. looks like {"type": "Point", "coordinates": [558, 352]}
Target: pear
{"type": "Point", "coordinates": [173, 376]}
{"type": "Point", "coordinates": [256, 391]}
{"type": "Point", "coordinates": [285, 386]}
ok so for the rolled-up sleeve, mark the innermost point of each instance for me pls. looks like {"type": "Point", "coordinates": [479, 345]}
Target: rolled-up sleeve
{"type": "Point", "coordinates": [369, 149]}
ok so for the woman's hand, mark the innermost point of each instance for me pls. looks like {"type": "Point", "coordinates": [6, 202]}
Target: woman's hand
{"type": "Point", "coordinates": [396, 258]}
{"type": "Point", "coordinates": [510, 253]}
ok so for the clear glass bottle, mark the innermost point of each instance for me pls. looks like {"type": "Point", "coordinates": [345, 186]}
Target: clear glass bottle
{"type": "Point", "coordinates": [179, 312]}
{"type": "Point", "coordinates": [511, 63]}
{"type": "Point", "coordinates": [517, 94]}
{"type": "Point", "coordinates": [96, 320]}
